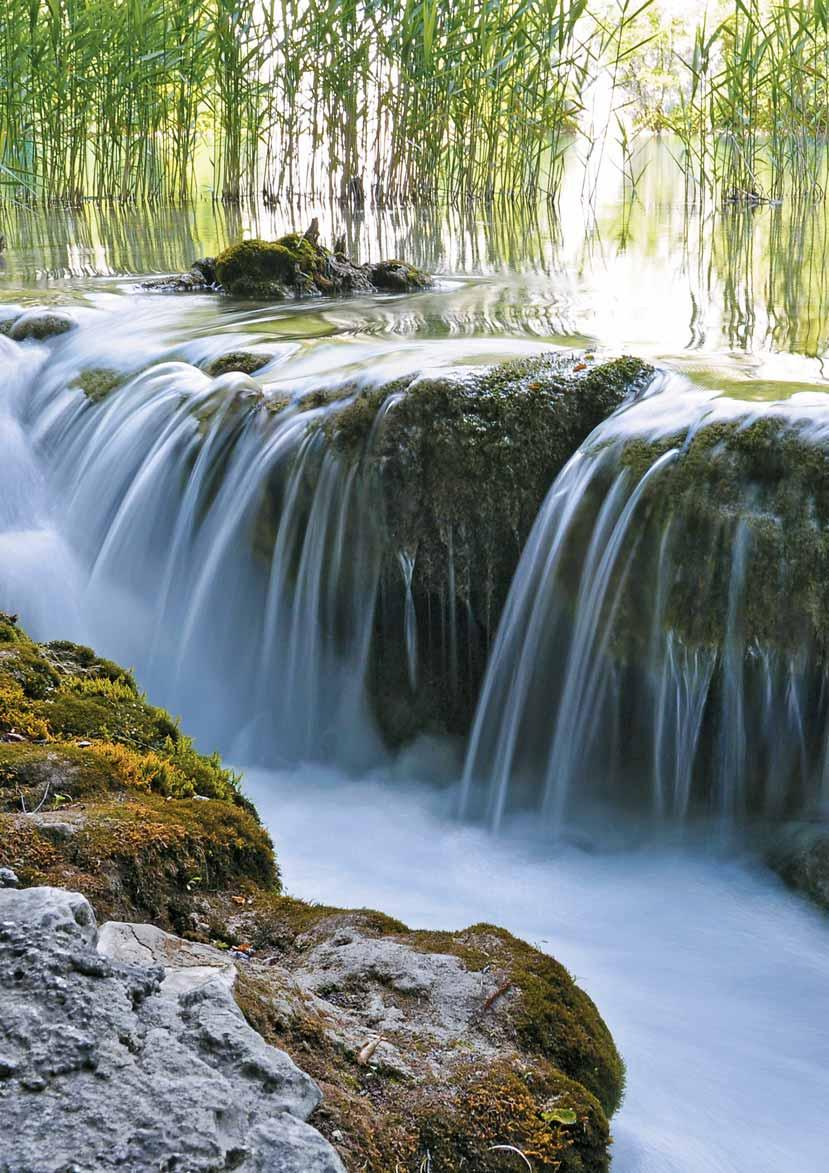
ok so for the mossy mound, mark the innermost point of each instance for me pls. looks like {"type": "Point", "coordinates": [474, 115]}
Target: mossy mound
{"type": "Point", "coordinates": [299, 266]}
{"type": "Point", "coordinates": [464, 463]}
{"type": "Point", "coordinates": [41, 323]}
{"type": "Point", "coordinates": [98, 383]}
{"type": "Point", "coordinates": [100, 790]}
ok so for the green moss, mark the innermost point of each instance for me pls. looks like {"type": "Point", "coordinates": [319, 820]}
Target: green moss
{"type": "Point", "coordinates": [62, 692]}
{"type": "Point", "coordinates": [763, 477]}
{"type": "Point", "coordinates": [294, 266]}
{"type": "Point", "coordinates": [506, 1104]}
{"type": "Point", "coordinates": [555, 1018]}
{"type": "Point", "coordinates": [140, 856]}
{"type": "Point", "coordinates": [238, 360]}
{"type": "Point", "coordinates": [269, 268]}
{"type": "Point", "coordinates": [98, 383]}
{"type": "Point", "coordinates": [151, 820]}
{"type": "Point", "coordinates": [464, 462]}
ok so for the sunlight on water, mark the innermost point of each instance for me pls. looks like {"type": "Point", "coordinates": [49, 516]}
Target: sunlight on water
{"type": "Point", "coordinates": [738, 298]}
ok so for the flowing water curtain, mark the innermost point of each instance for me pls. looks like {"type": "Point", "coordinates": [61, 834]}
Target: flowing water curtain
{"type": "Point", "coordinates": [664, 643]}
{"type": "Point", "coordinates": [238, 554]}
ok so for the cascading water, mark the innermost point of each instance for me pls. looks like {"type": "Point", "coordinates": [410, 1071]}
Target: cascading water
{"type": "Point", "coordinates": [663, 645]}
{"type": "Point", "coordinates": [236, 553]}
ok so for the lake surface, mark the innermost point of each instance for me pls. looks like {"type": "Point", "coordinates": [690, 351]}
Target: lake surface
{"type": "Point", "coordinates": [713, 978]}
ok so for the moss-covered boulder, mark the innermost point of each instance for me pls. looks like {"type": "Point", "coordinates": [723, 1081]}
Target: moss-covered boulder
{"type": "Point", "coordinates": [98, 383]}
{"type": "Point", "coordinates": [765, 481]}
{"type": "Point", "coordinates": [799, 853]}
{"type": "Point", "coordinates": [463, 463]}
{"type": "Point", "coordinates": [101, 792]}
{"type": "Point", "coordinates": [246, 361]}
{"type": "Point", "coordinates": [40, 324]}
{"type": "Point", "coordinates": [435, 1047]}
{"type": "Point", "coordinates": [299, 266]}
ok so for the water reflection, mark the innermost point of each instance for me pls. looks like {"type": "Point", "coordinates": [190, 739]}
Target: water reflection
{"type": "Point", "coordinates": [737, 297]}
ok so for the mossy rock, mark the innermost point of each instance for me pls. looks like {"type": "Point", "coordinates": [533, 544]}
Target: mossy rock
{"type": "Point", "coordinates": [799, 853]}
{"type": "Point", "coordinates": [298, 266]}
{"type": "Point", "coordinates": [151, 820]}
{"type": "Point", "coordinates": [245, 361]}
{"type": "Point", "coordinates": [535, 1068]}
{"type": "Point", "coordinates": [101, 793]}
{"type": "Point", "coordinates": [397, 277]}
{"type": "Point", "coordinates": [40, 324]}
{"type": "Point", "coordinates": [767, 479]}
{"type": "Point", "coordinates": [464, 462]}
{"type": "Point", "coordinates": [98, 383]}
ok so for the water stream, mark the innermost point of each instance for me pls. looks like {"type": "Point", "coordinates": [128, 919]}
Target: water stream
{"type": "Point", "coordinates": [182, 526]}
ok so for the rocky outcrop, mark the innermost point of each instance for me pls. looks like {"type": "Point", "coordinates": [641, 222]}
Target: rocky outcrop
{"type": "Point", "coordinates": [444, 1048]}
{"type": "Point", "coordinates": [293, 267]}
{"type": "Point", "coordinates": [107, 1064]}
{"type": "Point", "coordinates": [126, 1048]}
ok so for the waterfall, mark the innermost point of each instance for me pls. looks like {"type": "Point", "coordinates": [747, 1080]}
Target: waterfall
{"type": "Point", "coordinates": [202, 534]}
{"type": "Point", "coordinates": [663, 646]}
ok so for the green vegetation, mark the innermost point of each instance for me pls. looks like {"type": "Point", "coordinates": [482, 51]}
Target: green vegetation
{"type": "Point", "coordinates": [371, 99]}
{"type": "Point", "coordinates": [765, 476]}
{"type": "Point", "coordinates": [296, 266]}
{"type": "Point", "coordinates": [100, 790]}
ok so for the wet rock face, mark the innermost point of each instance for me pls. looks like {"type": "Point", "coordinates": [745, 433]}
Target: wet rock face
{"type": "Point", "coordinates": [101, 1068]}
{"type": "Point", "coordinates": [463, 463]}
{"type": "Point", "coordinates": [800, 854]}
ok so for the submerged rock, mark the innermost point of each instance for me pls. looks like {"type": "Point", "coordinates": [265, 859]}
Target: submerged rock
{"type": "Point", "coordinates": [294, 266]}
{"type": "Point", "coordinates": [98, 383]}
{"type": "Point", "coordinates": [105, 1068]}
{"type": "Point", "coordinates": [246, 361]}
{"type": "Point", "coordinates": [40, 324]}
{"type": "Point", "coordinates": [800, 854]}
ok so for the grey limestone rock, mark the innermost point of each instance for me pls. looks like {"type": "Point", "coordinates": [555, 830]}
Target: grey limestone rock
{"type": "Point", "coordinates": [104, 1064]}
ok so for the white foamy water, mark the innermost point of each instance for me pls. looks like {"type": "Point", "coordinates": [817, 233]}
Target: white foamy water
{"type": "Point", "coordinates": [712, 977]}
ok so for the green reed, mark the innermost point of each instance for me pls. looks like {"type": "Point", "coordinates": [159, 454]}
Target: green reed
{"type": "Point", "coordinates": [399, 100]}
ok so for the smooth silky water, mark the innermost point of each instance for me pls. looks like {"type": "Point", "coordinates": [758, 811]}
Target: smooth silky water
{"type": "Point", "coordinates": [127, 524]}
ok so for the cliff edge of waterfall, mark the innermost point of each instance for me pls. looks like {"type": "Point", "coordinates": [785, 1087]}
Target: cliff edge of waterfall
{"type": "Point", "coordinates": [412, 1045]}
{"type": "Point", "coordinates": [463, 462]}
